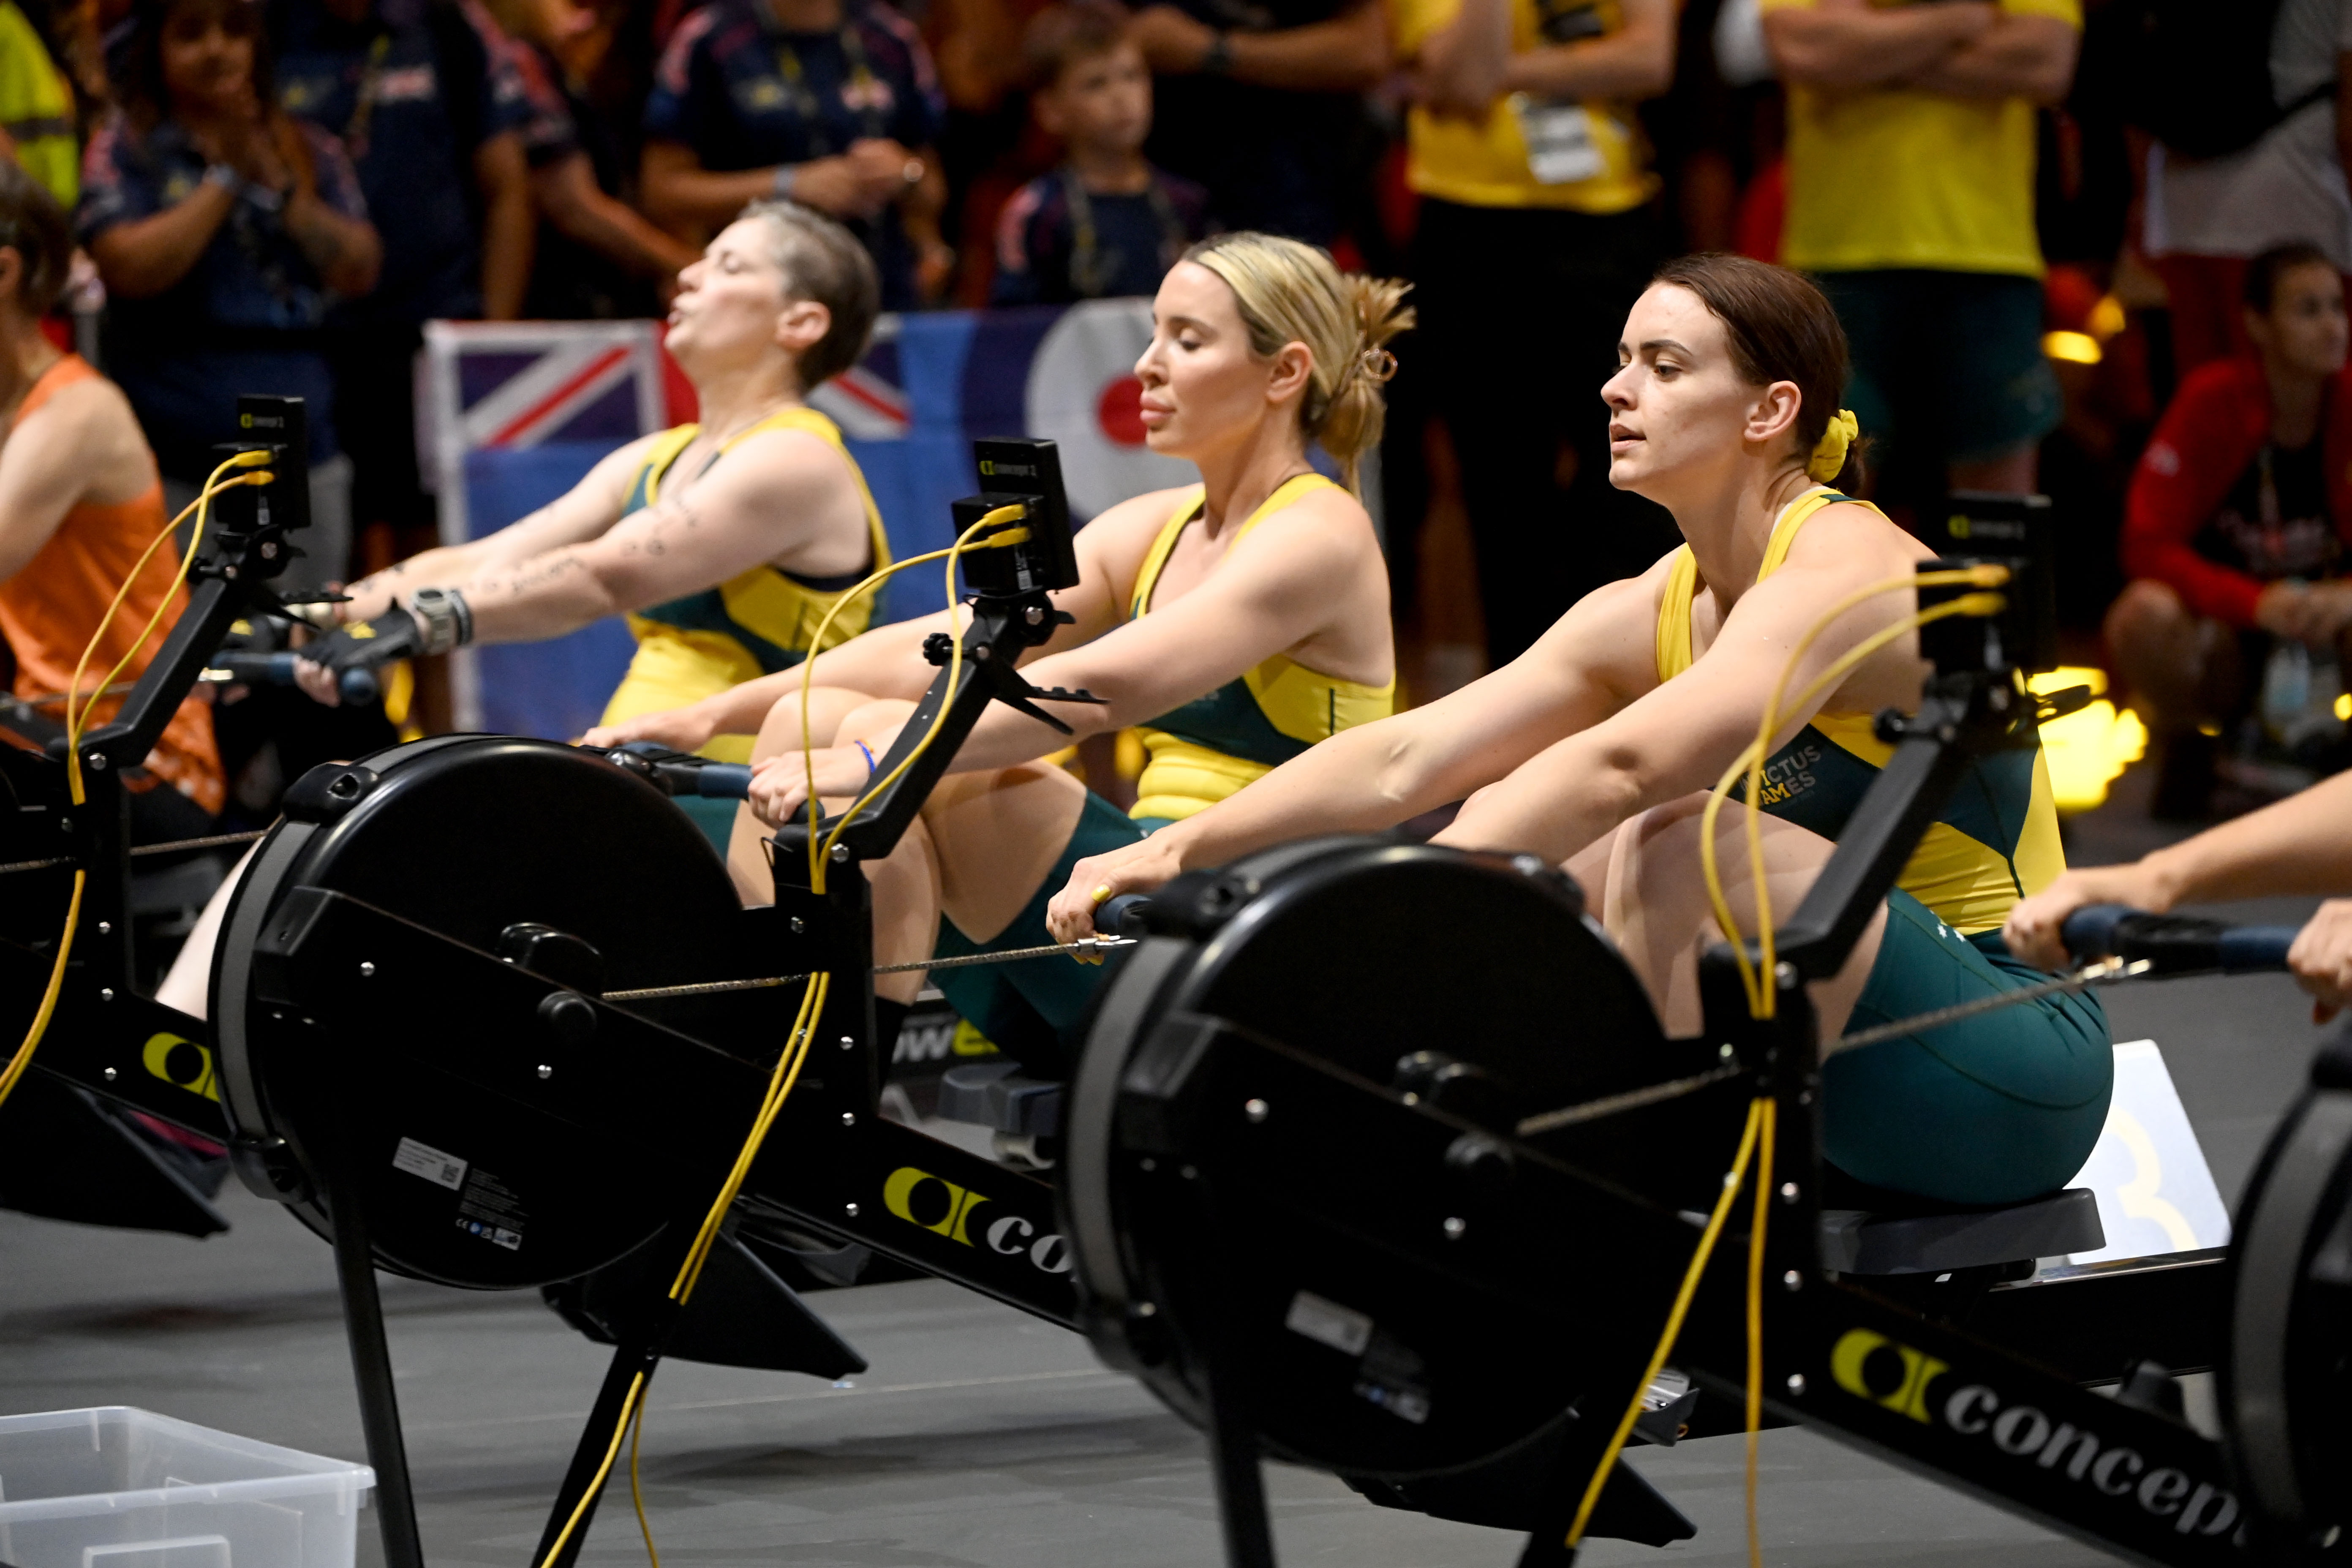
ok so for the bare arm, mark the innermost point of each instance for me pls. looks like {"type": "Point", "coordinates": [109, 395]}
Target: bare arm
{"type": "Point", "coordinates": [508, 224]}
{"type": "Point", "coordinates": [1681, 735]}
{"type": "Point", "coordinates": [1376, 775]}
{"type": "Point", "coordinates": [888, 661]}
{"type": "Point", "coordinates": [581, 514]}
{"type": "Point", "coordinates": [68, 450]}
{"type": "Point", "coordinates": [1856, 45]}
{"type": "Point", "coordinates": [744, 513]}
{"type": "Point", "coordinates": [143, 258]}
{"type": "Point", "coordinates": [681, 194]}
{"type": "Point", "coordinates": [1461, 65]}
{"type": "Point", "coordinates": [1274, 592]}
{"type": "Point", "coordinates": [568, 194]}
{"type": "Point", "coordinates": [2017, 56]}
{"type": "Point", "coordinates": [2299, 845]}
{"type": "Point", "coordinates": [345, 250]}
{"type": "Point", "coordinates": [1349, 53]}
{"type": "Point", "coordinates": [1636, 61]}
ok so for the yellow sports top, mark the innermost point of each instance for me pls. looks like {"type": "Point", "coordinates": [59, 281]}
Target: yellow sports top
{"type": "Point", "coordinates": [755, 623]}
{"type": "Point", "coordinates": [1997, 838]}
{"type": "Point", "coordinates": [1485, 163]}
{"type": "Point", "coordinates": [1889, 177]}
{"type": "Point", "coordinates": [1201, 752]}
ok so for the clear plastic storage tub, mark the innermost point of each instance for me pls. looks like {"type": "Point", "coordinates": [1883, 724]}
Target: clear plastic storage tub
{"type": "Point", "coordinates": [118, 1488]}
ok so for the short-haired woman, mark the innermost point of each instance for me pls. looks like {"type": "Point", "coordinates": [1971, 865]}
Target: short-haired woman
{"type": "Point", "coordinates": [1236, 622]}
{"type": "Point", "coordinates": [725, 541]}
{"type": "Point", "coordinates": [1593, 748]}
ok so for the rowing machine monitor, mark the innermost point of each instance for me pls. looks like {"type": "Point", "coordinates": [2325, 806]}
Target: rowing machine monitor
{"type": "Point", "coordinates": [2020, 530]}
{"type": "Point", "coordinates": [1029, 471]}
{"type": "Point", "coordinates": [266, 515]}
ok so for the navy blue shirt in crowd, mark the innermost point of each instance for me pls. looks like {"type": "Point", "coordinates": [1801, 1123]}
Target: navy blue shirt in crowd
{"type": "Point", "coordinates": [244, 318]}
{"type": "Point", "coordinates": [743, 93]}
{"type": "Point", "coordinates": [1057, 242]}
{"type": "Point", "coordinates": [414, 89]}
{"type": "Point", "coordinates": [1273, 159]}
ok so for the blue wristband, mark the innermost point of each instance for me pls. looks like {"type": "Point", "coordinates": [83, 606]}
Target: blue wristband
{"type": "Point", "coordinates": [872, 767]}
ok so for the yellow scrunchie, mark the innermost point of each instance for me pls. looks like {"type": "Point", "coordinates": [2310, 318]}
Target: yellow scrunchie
{"type": "Point", "coordinates": [1828, 452]}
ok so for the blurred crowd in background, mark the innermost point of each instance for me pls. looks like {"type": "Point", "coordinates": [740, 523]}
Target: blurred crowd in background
{"type": "Point", "coordinates": [2092, 248]}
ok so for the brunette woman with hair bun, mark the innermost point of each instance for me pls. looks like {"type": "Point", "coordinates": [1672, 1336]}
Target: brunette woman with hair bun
{"type": "Point", "coordinates": [1595, 748]}
{"type": "Point", "coordinates": [1236, 622]}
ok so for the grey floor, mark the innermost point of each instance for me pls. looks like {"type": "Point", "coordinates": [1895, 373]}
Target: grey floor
{"type": "Point", "coordinates": [979, 1436]}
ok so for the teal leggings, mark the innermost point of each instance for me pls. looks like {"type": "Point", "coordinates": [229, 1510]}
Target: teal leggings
{"type": "Point", "coordinates": [1995, 1109]}
{"type": "Point", "coordinates": [1034, 1008]}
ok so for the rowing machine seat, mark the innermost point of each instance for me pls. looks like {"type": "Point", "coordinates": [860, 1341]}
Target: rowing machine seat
{"type": "Point", "coordinates": [1943, 1238]}
{"type": "Point", "coordinates": [999, 1096]}
{"type": "Point", "coordinates": [1876, 1230]}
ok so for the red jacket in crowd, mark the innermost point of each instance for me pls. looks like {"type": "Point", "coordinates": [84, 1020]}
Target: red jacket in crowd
{"type": "Point", "coordinates": [2217, 425]}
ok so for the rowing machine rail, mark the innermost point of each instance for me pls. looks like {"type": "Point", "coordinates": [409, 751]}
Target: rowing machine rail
{"type": "Point", "coordinates": [1233, 1229]}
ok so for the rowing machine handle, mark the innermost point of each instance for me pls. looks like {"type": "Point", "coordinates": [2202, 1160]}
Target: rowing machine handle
{"type": "Point", "coordinates": [2174, 944]}
{"type": "Point", "coordinates": [723, 781]}
{"type": "Point", "coordinates": [357, 686]}
{"type": "Point", "coordinates": [1122, 916]}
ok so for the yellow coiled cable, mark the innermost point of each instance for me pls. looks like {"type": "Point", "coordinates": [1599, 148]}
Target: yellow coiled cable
{"type": "Point", "coordinates": [77, 722]}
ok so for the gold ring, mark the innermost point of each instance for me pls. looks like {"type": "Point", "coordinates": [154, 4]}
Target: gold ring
{"type": "Point", "coordinates": [1102, 893]}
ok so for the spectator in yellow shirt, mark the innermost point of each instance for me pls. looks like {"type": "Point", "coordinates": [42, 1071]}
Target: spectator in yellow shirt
{"type": "Point", "coordinates": [1537, 232]}
{"type": "Point", "coordinates": [1911, 146]}
{"type": "Point", "coordinates": [37, 116]}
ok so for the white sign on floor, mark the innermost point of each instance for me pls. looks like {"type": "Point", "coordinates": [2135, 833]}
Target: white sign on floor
{"type": "Point", "coordinates": [2156, 1194]}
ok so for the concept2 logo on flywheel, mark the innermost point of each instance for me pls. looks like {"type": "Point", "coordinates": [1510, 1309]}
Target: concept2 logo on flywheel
{"type": "Point", "coordinates": [1911, 1382]}
{"type": "Point", "coordinates": [945, 1209]}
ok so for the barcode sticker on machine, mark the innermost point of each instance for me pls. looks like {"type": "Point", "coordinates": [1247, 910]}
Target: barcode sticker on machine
{"type": "Point", "coordinates": [425, 1161]}
{"type": "Point", "coordinates": [1343, 1327]}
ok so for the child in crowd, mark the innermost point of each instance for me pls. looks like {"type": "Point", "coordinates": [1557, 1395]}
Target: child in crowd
{"type": "Point", "coordinates": [1106, 224]}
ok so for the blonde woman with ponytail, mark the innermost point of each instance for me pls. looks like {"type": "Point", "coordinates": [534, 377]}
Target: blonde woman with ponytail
{"type": "Point", "coordinates": [1594, 748]}
{"type": "Point", "coordinates": [1235, 622]}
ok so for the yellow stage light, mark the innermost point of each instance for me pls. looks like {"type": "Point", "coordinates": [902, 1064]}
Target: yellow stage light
{"type": "Point", "coordinates": [2074, 348]}
{"type": "Point", "coordinates": [2087, 749]}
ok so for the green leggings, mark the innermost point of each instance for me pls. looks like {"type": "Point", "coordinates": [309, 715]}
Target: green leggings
{"type": "Point", "coordinates": [1035, 1008]}
{"type": "Point", "coordinates": [1989, 1110]}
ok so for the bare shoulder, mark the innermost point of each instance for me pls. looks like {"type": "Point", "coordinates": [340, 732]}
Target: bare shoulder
{"type": "Point", "coordinates": [92, 406]}
{"type": "Point", "coordinates": [1122, 533]}
{"type": "Point", "coordinates": [1141, 516]}
{"type": "Point", "coordinates": [1854, 539]}
{"type": "Point", "coordinates": [772, 476]}
{"type": "Point", "coordinates": [89, 427]}
{"type": "Point", "coordinates": [1326, 525]}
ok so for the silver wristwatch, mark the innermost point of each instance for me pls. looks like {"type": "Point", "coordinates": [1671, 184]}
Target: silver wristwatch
{"type": "Point", "coordinates": [442, 616]}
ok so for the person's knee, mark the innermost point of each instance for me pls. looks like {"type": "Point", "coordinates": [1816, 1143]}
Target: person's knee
{"type": "Point", "coordinates": [1668, 865]}
{"type": "Point", "coordinates": [872, 719]}
{"type": "Point", "coordinates": [2145, 612]}
{"type": "Point", "coordinates": [2162, 648]}
{"type": "Point", "coordinates": [827, 707]}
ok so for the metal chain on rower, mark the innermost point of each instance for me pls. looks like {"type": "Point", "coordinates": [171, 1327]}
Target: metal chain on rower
{"type": "Point", "coordinates": [210, 841]}
{"type": "Point", "coordinates": [2106, 972]}
{"type": "Point", "coordinates": [1079, 949]}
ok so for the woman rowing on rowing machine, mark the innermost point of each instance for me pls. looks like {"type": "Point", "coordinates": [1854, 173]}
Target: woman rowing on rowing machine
{"type": "Point", "coordinates": [1237, 622]}
{"type": "Point", "coordinates": [1594, 749]}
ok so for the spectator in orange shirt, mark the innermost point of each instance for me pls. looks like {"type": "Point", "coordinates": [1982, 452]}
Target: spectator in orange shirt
{"type": "Point", "coordinates": [79, 499]}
